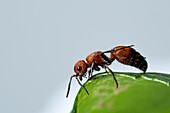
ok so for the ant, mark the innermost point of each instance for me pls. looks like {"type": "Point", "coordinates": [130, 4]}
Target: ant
{"type": "Point", "coordinates": [123, 54]}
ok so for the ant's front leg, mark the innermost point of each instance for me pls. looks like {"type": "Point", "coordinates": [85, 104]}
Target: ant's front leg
{"type": "Point", "coordinates": [91, 70]}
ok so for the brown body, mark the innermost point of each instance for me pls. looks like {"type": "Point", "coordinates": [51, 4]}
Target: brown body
{"type": "Point", "coordinates": [98, 58]}
{"type": "Point", "coordinates": [123, 54]}
{"type": "Point", "coordinates": [93, 61]}
{"type": "Point", "coordinates": [130, 56]}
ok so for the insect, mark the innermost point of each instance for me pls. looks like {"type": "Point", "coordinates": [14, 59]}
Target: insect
{"type": "Point", "coordinates": [123, 54]}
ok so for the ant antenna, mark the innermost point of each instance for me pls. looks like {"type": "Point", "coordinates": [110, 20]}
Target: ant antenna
{"type": "Point", "coordinates": [69, 85]}
{"type": "Point", "coordinates": [82, 86]}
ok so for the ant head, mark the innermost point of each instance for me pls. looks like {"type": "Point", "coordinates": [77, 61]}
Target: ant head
{"type": "Point", "coordinates": [80, 68]}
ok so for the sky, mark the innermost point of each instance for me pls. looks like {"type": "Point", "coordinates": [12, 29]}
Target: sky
{"type": "Point", "coordinates": [41, 40]}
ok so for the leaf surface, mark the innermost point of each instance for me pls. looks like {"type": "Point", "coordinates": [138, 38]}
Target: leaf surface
{"type": "Point", "coordinates": [137, 93]}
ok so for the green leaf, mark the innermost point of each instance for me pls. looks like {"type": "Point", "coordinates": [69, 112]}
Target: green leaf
{"type": "Point", "coordinates": [137, 93]}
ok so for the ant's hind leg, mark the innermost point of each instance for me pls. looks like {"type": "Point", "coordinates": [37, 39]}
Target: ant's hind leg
{"type": "Point", "coordinates": [112, 74]}
{"type": "Point", "coordinates": [105, 69]}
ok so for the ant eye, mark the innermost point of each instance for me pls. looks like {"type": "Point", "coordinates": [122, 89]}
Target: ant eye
{"type": "Point", "coordinates": [79, 68]}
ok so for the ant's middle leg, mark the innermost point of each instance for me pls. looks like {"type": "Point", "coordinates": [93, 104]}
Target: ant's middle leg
{"type": "Point", "coordinates": [93, 67]}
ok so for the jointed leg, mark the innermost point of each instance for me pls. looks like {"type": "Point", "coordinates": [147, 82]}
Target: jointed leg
{"type": "Point", "coordinates": [105, 69]}
{"type": "Point", "coordinates": [91, 70]}
{"type": "Point", "coordinates": [112, 74]}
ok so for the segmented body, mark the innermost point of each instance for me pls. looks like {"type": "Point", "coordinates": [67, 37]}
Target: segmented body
{"type": "Point", "coordinates": [130, 56]}
{"type": "Point", "coordinates": [123, 54]}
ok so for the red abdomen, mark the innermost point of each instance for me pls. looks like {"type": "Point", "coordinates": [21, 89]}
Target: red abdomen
{"type": "Point", "coordinates": [130, 56]}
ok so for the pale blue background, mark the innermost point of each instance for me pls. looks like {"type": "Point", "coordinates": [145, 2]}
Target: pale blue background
{"type": "Point", "coordinates": [41, 40]}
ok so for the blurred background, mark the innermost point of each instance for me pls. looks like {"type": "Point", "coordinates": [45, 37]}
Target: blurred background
{"type": "Point", "coordinates": [41, 40]}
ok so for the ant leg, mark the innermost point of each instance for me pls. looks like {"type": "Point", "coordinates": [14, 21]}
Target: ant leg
{"type": "Point", "coordinates": [114, 49]}
{"type": "Point", "coordinates": [105, 69]}
{"type": "Point", "coordinates": [112, 74]}
{"type": "Point", "coordinates": [69, 85]}
{"type": "Point", "coordinates": [82, 86]}
{"type": "Point", "coordinates": [91, 71]}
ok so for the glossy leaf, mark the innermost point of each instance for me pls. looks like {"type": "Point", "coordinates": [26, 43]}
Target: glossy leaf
{"type": "Point", "coordinates": [137, 93]}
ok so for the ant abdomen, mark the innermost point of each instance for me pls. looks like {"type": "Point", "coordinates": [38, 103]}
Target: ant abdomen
{"type": "Point", "coordinates": [138, 61]}
{"type": "Point", "coordinates": [130, 56]}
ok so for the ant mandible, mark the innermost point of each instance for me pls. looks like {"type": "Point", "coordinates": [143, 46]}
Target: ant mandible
{"type": "Point", "coordinates": [123, 54]}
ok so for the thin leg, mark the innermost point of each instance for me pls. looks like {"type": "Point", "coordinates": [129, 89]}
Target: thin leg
{"type": "Point", "coordinates": [91, 71]}
{"type": "Point", "coordinates": [112, 74]}
{"type": "Point", "coordinates": [82, 86]}
{"type": "Point", "coordinates": [105, 69]}
{"type": "Point", "coordinates": [69, 85]}
{"type": "Point", "coordinates": [114, 50]}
